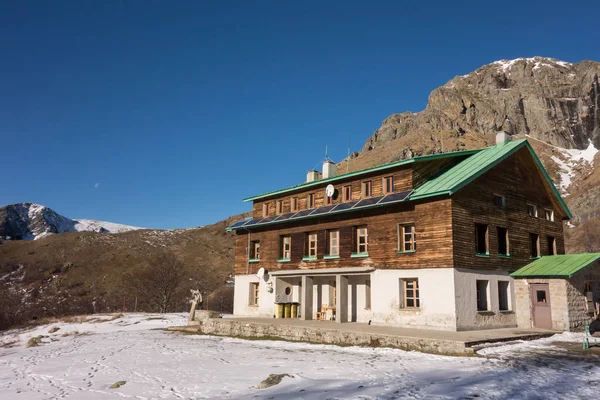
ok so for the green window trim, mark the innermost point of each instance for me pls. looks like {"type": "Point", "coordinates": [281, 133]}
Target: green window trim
{"type": "Point", "coordinates": [309, 258]}
{"type": "Point", "coordinates": [359, 255]}
{"type": "Point", "coordinates": [406, 251]}
{"type": "Point", "coordinates": [485, 255]}
{"type": "Point", "coordinates": [504, 255]}
{"type": "Point", "coordinates": [254, 260]}
{"type": "Point", "coordinates": [328, 257]}
{"type": "Point", "coordinates": [282, 260]}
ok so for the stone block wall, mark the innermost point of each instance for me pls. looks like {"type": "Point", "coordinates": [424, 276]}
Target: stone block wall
{"type": "Point", "coordinates": [559, 304]}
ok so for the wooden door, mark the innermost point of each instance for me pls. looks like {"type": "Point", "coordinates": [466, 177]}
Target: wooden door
{"type": "Point", "coordinates": [540, 301]}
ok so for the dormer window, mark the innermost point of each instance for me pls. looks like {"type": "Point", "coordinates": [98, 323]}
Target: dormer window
{"type": "Point", "coordinates": [388, 185]}
{"type": "Point", "coordinates": [367, 189]}
{"type": "Point", "coordinates": [312, 200]}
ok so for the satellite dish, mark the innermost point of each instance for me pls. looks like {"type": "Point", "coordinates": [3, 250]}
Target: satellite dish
{"type": "Point", "coordinates": [260, 273]}
{"type": "Point", "coordinates": [329, 190]}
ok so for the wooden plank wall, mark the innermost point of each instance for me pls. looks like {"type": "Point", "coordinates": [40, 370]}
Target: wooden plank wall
{"type": "Point", "coordinates": [517, 178]}
{"type": "Point", "coordinates": [402, 181]}
{"type": "Point", "coordinates": [433, 221]}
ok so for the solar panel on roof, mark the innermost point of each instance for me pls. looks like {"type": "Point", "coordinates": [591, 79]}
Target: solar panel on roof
{"type": "Point", "coordinates": [284, 217]}
{"type": "Point", "coordinates": [345, 206]}
{"type": "Point", "coordinates": [253, 222]}
{"type": "Point", "coordinates": [323, 210]}
{"type": "Point", "coordinates": [239, 223]}
{"type": "Point", "coordinates": [368, 202]}
{"type": "Point", "coordinates": [303, 213]}
{"type": "Point", "coordinates": [400, 196]}
{"type": "Point", "coordinates": [268, 219]}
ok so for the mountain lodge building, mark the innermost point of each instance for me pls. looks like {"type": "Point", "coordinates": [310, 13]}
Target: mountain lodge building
{"type": "Point", "coordinates": [427, 242]}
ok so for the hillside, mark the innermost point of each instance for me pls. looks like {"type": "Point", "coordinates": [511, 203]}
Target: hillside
{"type": "Point", "coordinates": [551, 102]}
{"type": "Point", "coordinates": [81, 272]}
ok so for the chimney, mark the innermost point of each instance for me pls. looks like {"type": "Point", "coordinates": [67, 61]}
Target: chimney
{"type": "Point", "coordinates": [502, 137]}
{"type": "Point", "coordinates": [312, 176]}
{"type": "Point", "coordinates": [329, 169]}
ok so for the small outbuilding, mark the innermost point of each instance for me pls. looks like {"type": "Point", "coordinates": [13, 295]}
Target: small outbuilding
{"type": "Point", "coordinates": [560, 292]}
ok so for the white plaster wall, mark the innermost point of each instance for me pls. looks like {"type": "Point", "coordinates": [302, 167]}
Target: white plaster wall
{"type": "Point", "coordinates": [436, 291]}
{"type": "Point", "coordinates": [241, 298]}
{"type": "Point", "coordinates": [468, 318]}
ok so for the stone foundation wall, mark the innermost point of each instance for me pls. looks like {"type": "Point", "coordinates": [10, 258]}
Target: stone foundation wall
{"type": "Point", "coordinates": [242, 329]}
{"type": "Point", "coordinates": [579, 315]}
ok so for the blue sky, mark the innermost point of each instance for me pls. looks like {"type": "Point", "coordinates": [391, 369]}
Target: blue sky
{"type": "Point", "coordinates": [167, 114]}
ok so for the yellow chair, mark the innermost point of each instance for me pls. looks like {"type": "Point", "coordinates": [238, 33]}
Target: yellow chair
{"type": "Point", "coordinates": [322, 315]}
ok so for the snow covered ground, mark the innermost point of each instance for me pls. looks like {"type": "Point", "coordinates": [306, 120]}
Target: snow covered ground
{"type": "Point", "coordinates": [166, 365]}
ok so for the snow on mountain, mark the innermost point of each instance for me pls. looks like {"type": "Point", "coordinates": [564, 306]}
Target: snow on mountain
{"type": "Point", "coordinates": [30, 221]}
{"type": "Point", "coordinates": [573, 159]}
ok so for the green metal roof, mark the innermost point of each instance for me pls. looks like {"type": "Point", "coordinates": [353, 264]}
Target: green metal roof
{"type": "Point", "coordinates": [364, 171]}
{"type": "Point", "coordinates": [565, 265]}
{"type": "Point", "coordinates": [476, 165]}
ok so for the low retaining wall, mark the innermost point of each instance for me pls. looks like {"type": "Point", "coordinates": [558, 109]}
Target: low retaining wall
{"type": "Point", "coordinates": [244, 329]}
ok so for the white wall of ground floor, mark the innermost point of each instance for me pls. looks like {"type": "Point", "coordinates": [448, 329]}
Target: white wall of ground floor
{"type": "Point", "coordinates": [448, 298]}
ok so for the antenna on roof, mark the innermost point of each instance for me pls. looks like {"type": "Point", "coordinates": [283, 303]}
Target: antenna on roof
{"type": "Point", "coordinates": [348, 159]}
{"type": "Point", "coordinates": [326, 156]}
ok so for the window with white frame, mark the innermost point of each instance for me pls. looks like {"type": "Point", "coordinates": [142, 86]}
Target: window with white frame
{"type": "Point", "coordinates": [334, 242]}
{"type": "Point", "coordinates": [254, 291]}
{"type": "Point", "coordinates": [311, 245]}
{"type": "Point", "coordinates": [407, 237]}
{"type": "Point", "coordinates": [532, 210]}
{"type": "Point", "coordinates": [255, 250]}
{"type": "Point", "coordinates": [409, 293]}
{"type": "Point", "coordinates": [286, 247]}
{"type": "Point", "coordinates": [482, 295]}
{"type": "Point", "coordinates": [361, 240]}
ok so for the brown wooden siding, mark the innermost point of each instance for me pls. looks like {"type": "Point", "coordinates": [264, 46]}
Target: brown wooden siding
{"type": "Point", "coordinates": [434, 239]}
{"type": "Point", "coordinates": [517, 179]}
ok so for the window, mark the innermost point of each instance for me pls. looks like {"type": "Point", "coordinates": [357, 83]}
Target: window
{"type": "Point", "coordinates": [286, 247]}
{"type": "Point", "coordinates": [279, 207]}
{"type": "Point", "coordinates": [311, 200]}
{"type": "Point", "coordinates": [534, 245]}
{"type": "Point", "coordinates": [265, 212]}
{"type": "Point", "coordinates": [253, 294]}
{"type": "Point", "coordinates": [504, 295]}
{"type": "Point", "coordinates": [410, 293]}
{"type": "Point", "coordinates": [500, 201]}
{"type": "Point", "coordinates": [294, 204]}
{"type": "Point", "coordinates": [332, 294]}
{"type": "Point", "coordinates": [540, 296]}
{"type": "Point", "coordinates": [388, 185]}
{"type": "Point", "coordinates": [254, 250]}
{"type": "Point", "coordinates": [482, 295]}
{"type": "Point", "coordinates": [368, 294]}
{"type": "Point", "coordinates": [503, 249]}
{"type": "Point", "coordinates": [549, 214]}
{"type": "Point", "coordinates": [407, 238]}
{"type": "Point", "coordinates": [367, 189]}
{"type": "Point", "coordinates": [532, 210]}
{"type": "Point", "coordinates": [328, 200]}
{"type": "Point", "coordinates": [482, 244]}
{"type": "Point", "coordinates": [551, 246]}
{"type": "Point", "coordinates": [361, 240]}
{"type": "Point", "coordinates": [334, 243]}
{"type": "Point", "coordinates": [311, 245]}
{"type": "Point", "coordinates": [347, 193]}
